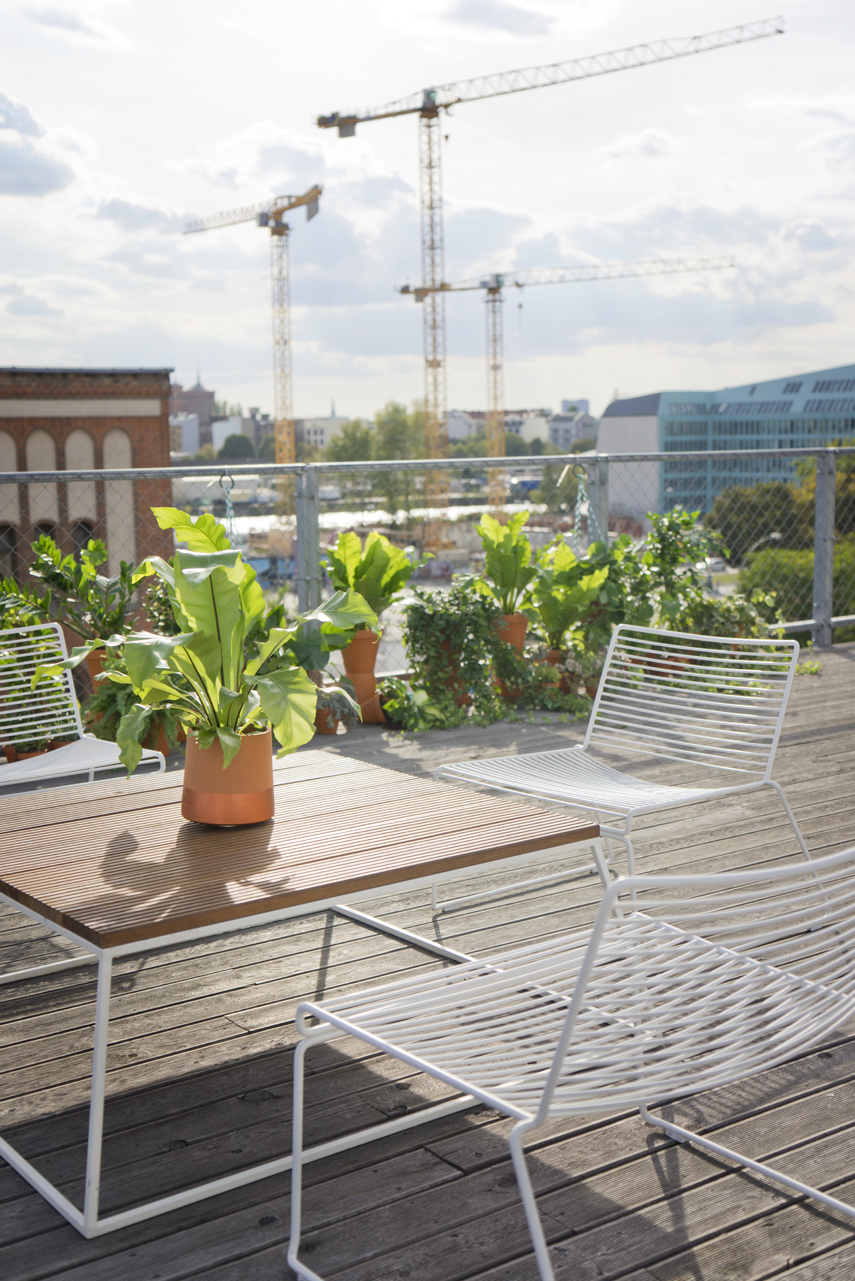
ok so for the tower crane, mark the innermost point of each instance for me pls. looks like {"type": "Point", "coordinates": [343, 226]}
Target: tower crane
{"type": "Point", "coordinates": [427, 105]}
{"type": "Point", "coordinates": [493, 285]}
{"type": "Point", "coordinates": [270, 213]}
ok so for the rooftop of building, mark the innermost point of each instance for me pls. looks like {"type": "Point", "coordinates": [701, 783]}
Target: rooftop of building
{"type": "Point", "coordinates": [791, 394]}
{"type": "Point", "coordinates": [47, 369]}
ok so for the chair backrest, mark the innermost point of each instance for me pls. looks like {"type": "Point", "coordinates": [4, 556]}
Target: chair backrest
{"type": "Point", "coordinates": [28, 716]}
{"type": "Point", "coordinates": [705, 700]}
{"type": "Point", "coordinates": [664, 999]}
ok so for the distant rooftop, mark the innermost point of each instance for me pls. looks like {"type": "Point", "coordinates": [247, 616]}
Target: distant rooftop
{"type": "Point", "coordinates": [33, 369]}
{"type": "Point", "coordinates": [635, 407]}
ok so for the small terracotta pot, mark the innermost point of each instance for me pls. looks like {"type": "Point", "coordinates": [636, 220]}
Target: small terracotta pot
{"type": "Point", "coordinates": [512, 628]}
{"type": "Point", "coordinates": [556, 657]}
{"type": "Point", "coordinates": [326, 721]}
{"type": "Point", "coordinates": [243, 793]}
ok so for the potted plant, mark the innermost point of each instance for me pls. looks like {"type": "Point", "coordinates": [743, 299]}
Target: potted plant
{"type": "Point", "coordinates": [378, 571]}
{"type": "Point", "coordinates": [508, 571]}
{"type": "Point", "coordinates": [452, 644]}
{"type": "Point", "coordinates": [231, 696]}
{"type": "Point", "coordinates": [562, 593]}
{"type": "Point", "coordinates": [335, 706]}
{"type": "Point", "coordinates": [90, 604]}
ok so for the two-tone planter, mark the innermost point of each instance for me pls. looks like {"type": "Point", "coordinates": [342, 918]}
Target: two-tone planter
{"type": "Point", "coordinates": [241, 793]}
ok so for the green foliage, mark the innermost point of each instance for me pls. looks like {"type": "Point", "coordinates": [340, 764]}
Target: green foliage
{"type": "Point", "coordinates": [104, 710]}
{"type": "Point", "coordinates": [451, 641]}
{"type": "Point", "coordinates": [218, 685]}
{"type": "Point", "coordinates": [410, 708]}
{"type": "Point", "coordinates": [267, 450]}
{"type": "Point", "coordinates": [789, 575]}
{"type": "Point", "coordinates": [378, 571]}
{"type": "Point", "coordinates": [742, 514]}
{"type": "Point", "coordinates": [237, 446]}
{"type": "Point", "coordinates": [93, 605]}
{"type": "Point", "coordinates": [352, 443]}
{"type": "Point", "coordinates": [508, 567]}
{"type": "Point", "coordinates": [562, 593]}
{"type": "Point", "coordinates": [749, 616]}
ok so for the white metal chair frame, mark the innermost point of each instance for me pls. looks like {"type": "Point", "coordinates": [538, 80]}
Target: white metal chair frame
{"type": "Point", "coordinates": [697, 700]}
{"type": "Point", "coordinates": [683, 984]}
{"type": "Point", "coordinates": [50, 709]}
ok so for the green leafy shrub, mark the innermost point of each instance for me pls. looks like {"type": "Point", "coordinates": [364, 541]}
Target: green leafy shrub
{"type": "Point", "coordinates": [789, 574]}
{"type": "Point", "coordinates": [379, 571]}
{"type": "Point", "coordinates": [91, 604]}
{"type": "Point", "coordinates": [508, 569]}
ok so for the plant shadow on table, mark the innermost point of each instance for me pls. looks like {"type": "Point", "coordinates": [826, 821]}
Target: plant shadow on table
{"type": "Point", "coordinates": [206, 870]}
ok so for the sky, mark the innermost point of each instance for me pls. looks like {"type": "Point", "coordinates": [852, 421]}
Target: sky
{"type": "Point", "coordinates": [120, 120]}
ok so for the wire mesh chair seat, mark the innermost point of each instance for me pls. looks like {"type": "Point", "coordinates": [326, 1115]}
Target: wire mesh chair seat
{"type": "Point", "coordinates": [49, 712]}
{"type": "Point", "coordinates": [683, 984]}
{"type": "Point", "coordinates": [695, 701]}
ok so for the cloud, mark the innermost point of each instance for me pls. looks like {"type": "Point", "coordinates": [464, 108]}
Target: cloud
{"type": "Point", "coordinates": [11, 289]}
{"type": "Point", "coordinates": [649, 144]}
{"type": "Point", "coordinates": [27, 306]}
{"type": "Point", "coordinates": [135, 217]}
{"type": "Point", "coordinates": [26, 172]}
{"type": "Point", "coordinates": [14, 115]}
{"type": "Point", "coordinates": [69, 24]}
{"type": "Point", "coordinates": [501, 17]}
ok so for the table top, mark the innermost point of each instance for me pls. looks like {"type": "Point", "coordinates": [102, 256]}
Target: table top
{"type": "Point", "coordinates": [116, 863]}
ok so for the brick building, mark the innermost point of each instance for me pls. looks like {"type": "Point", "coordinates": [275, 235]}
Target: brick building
{"type": "Point", "coordinates": [88, 420]}
{"type": "Point", "coordinates": [194, 400]}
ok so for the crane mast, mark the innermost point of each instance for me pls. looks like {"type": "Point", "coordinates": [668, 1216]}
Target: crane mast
{"type": "Point", "coordinates": [270, 214]}
{"type": "Point", "coordinates": [493, 285]}
{"type": "Point", "coordinates": [427, 105]}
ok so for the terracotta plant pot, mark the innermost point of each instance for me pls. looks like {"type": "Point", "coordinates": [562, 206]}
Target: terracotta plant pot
{"type": "Point", "coordinates": [157, 741]}
{"type": "Point", "coordinates": [12, 754]}
{"type": "Point", "coordinates": [359, 658]}
{"type": "Point", "coordinates": [95, 666]}
{"type": "Point", "coordinates": [512, 628]}
{"type": "Point", "coordinates": [556, 658]}
{"type": "Point", "coordinates": [326, 721]}
{"type": "Point", "coordinates": [243, 793]}
{"type": "Point", "coordinates": [462, 697]}
{"type": "Point", "coordinates": [372, 712]}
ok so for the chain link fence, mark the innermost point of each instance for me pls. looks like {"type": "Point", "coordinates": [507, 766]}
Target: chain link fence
{"type": "Point", "coordinates": [784, 520]}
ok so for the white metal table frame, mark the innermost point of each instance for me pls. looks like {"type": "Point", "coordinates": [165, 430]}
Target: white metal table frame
{"type": "Point", "coordinates": [88, 1221]}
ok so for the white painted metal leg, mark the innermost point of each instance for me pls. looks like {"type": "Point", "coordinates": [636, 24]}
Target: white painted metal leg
{"type": "Point", "coordinates": [793, 824]}
{"type": "Point", "coordinates": [50, 967]}
{"type": "Point", "coordinates": [687, 1136]}
{"type": "Point", "coordinates": [395, 931]}
{"type": "Point", "coordinates": [297, 1167]}
{"type": "Point", "coordinates": [535, 1227]}
{"type": "Point", "coordinates": [96, 1098]}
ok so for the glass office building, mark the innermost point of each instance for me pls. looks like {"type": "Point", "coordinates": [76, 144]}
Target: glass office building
{"type": "Point", "coordinates": [805, 410]}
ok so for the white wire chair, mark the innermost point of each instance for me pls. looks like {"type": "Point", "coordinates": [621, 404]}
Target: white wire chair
{"type": "Point", "coordinates": [683, 984]}
{"type": "Point", "coordinates": [48, 712]}
{"type": "Point", "coordinates": [703, 701]}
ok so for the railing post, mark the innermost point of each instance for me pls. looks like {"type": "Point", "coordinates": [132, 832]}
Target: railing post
{"type": "Point", "coordinates": [823, 547]}
{"type": "Point", "coordinates": [598, 498]}
{"type": "Point", "coordinates": [308, 540]}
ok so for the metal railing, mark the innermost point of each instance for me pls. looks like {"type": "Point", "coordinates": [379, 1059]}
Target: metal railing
{"type": "Point", "coordinates": [790, 514]}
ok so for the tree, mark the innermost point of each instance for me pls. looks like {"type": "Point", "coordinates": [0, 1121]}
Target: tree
{"type": "Point", "coordinates": [398, 434]}
{"type": "Point", "coordinates": [237, 447]}
{"type": "Point", "coordinates": [743, 515]}
{"type": "Point", "coordinates": [267, 449]}
{"type": "Point", "coordinates": [354, 443]}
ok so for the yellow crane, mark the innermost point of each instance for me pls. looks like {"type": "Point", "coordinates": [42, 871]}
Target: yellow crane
{"type": "Point", "coordinates": [493, 285]}
{"type": "Point", "coordinates": [427, 105]}
{"type": "Point", "coordinates": [270, 213]}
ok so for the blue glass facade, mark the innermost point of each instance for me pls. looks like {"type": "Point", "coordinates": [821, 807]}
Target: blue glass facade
{"type": "Point", "coordinates": [807, 410]}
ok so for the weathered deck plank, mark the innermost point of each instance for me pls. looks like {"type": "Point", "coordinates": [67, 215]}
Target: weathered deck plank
{"type": "Point", "coordinates": [200, 1078]}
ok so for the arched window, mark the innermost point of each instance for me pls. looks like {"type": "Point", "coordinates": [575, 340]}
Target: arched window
{"type": "Point", "coordinates": [10, 511]}
{"type": "Point", "coordinates": [80, 456]}
{"type": "Point", "coordinates": [119, 501]}
{"type": "Point", "coordinates": [8, 549]}
{"type": "Point", "coordinates": [81, 532]}
{"type": "Point", "coordinates": [41, 456]}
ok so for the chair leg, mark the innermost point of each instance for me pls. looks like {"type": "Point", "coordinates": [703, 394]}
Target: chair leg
{"type": "Point", "coordinates": [687, 1136]}
{"type": "Point", "coordinates": [793, 824]}
{"type": "Point", "coordinates": [297, 1167]}
{"type": "Point", "coordinates": [535, 1227]}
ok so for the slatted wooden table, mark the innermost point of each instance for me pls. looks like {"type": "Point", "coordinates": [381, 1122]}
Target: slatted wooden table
{"type": "Point", "coordinates": [114, 868]}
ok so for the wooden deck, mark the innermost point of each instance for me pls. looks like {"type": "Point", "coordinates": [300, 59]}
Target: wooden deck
{"type": "Point", "coordinates": [200, 1078]}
